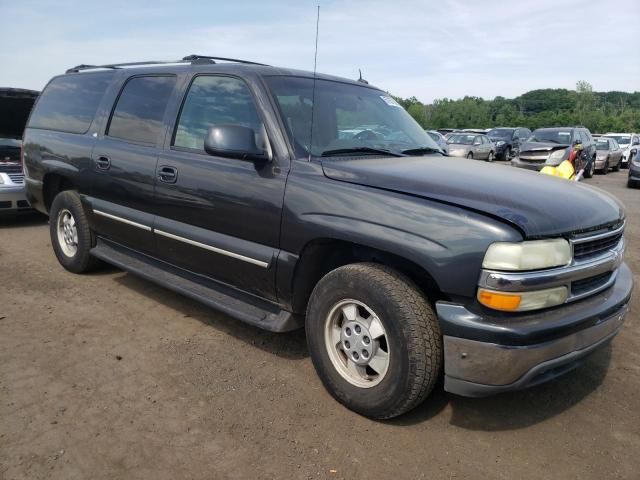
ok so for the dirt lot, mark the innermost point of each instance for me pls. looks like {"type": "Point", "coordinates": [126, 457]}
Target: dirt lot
{"type": "Point", "coordinates": [107, 376]}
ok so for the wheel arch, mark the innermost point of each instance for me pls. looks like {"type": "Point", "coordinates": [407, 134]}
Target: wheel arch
{"type": "Point", "coordinates": [322, 255]}
{"type": "Point", "coordinates": [52, 184]}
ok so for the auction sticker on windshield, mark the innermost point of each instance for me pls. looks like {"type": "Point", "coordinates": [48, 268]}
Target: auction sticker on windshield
{"type": "Point", "coordinates": [390, 101]}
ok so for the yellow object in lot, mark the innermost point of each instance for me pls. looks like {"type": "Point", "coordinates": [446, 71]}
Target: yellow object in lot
{"type": "Point", "coordinates": [564, 170]}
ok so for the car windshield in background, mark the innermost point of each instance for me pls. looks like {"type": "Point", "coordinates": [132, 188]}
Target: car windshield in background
{"type": "Point", "coordinates": [500, 133]}
{"type": "Point", "coordinates": [622, 139]}
{"type": "Point", "coordinates": [10, 143]}
{"type": "Point", "coordinates": [348, 119]}
{"type": "Point", "coordinates": [462, 139]}
{"type": "Point", "coordinates": [602, 145]}
{"type": "Point", "coordinates": [550, 135]}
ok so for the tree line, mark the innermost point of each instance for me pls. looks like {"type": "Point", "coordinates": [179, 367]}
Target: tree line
{"type": "Point", "coordinates": [600, 112]}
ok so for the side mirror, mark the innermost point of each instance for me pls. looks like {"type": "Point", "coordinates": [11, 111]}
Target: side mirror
{"type": "Point", "coordinates": [237, 141]}
{"type": "Point", "coordinates": [636, 142]}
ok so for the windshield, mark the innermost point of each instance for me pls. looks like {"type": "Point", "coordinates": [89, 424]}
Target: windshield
{"type": "Point", "coordinates": [622, 139]}
{"type": "Point", "coordinates": [500, 133]}
{"type": "Point", "coordinates": [551, 135]}
{"type": "Point", "coordinates": [346, 117]}
{"type": "Point", "coordinates": [462, 139]}
{"type": "Point", "coordinates": [602, 145]}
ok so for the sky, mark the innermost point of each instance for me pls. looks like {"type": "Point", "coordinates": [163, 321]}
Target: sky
{"type": "Point", "coordinates": [427, 49]}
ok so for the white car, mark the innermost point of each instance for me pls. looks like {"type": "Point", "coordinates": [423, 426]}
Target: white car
{"type": "Point", "coordinates": [629, 143]}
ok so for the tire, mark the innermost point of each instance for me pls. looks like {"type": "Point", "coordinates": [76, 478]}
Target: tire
{"type": "Point", "coordinates": [591, 168]}
{"type": "Point", "coordinates": [470, 155]}
{"type": "Point", "coordinates": [491, 157]}
{"type": "Point", "coordinates": [412, 339]}
{"type": "Point", "coordinates": [631, 183]}
{"type": "Point", "coordinates": [605, 169]}
{"type": "Point", "coordinates": [71, 245]}
{"type": "Point", "coordinates": [506, 156]}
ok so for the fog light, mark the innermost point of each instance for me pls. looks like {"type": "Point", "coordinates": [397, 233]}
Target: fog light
{"type": "Point", "coordinates": [522, 301]}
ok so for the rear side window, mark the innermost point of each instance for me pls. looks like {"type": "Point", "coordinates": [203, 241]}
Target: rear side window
{"type": "Point", "coordinates": [69, 103]}
{"type": "Point", "coordinates": [138, 114]}
{"type": "Point", "coordinates": [214, 100]}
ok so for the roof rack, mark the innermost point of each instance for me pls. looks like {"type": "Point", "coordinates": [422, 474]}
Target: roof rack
{"type": "Point", "coordinates": [192, 59]}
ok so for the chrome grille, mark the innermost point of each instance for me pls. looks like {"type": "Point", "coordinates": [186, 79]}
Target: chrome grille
{"type": "Point", "coordinates": [593, 246]}
{"type": "Point", "coordinates": [17, 178]}
{"type": "Point", "coordinates": [580, 287]}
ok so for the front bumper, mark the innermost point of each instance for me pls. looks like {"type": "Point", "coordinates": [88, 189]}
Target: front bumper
{"type": "Point", "coordinates": [516, 162]}
{"type": "Point", "coordinates": [484, 355]}
{"type": "Point", "coordinates": [13, 199]}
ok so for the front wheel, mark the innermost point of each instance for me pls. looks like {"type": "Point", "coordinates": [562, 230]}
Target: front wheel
{"type": "Point", "coordinates": [470, 155]}
{"type": "Point", "coordinates": [491, 157]}
{"type": "Point", "coordinates": [374, 339]}
{"type": "Point", "coordinates": [71, 237]}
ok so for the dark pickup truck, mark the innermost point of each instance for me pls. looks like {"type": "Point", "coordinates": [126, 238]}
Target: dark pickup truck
{"type": "Point", "coordinates": [288, 199]}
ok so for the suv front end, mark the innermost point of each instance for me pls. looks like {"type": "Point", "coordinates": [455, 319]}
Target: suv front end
{"type": "Point", "coordinates": [570, 309]}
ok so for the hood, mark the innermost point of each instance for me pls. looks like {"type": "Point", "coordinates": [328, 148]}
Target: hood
{"type": "Point", "coordinates": [537, 204]}
{"type": "Point", "coordinates": [541, 146]}
{"type": "Point", "coordinates": [15, 105]}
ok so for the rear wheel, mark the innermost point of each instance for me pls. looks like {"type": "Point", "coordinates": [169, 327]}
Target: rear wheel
{"type": "Point", "coordinates": [590, 169]}
{"type": "Point", "coordinates": [373, 339]}
{"type": "Point", "coordinates": [71, 237]}
{"type": "Point", "coordinates": [491, 157]}
{"type": "Point", "coordinates": [605, 169]}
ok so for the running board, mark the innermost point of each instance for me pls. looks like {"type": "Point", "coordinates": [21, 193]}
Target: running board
{"type": "Point", "coordinates": [236, 304]}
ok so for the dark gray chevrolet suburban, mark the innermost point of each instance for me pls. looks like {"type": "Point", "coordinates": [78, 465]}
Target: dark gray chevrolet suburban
{"type": "Point", "coordinates": [288, 199]}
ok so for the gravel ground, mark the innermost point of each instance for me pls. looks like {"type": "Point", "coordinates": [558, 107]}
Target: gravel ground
{"type": "Point", "coordinates": [107, 376]}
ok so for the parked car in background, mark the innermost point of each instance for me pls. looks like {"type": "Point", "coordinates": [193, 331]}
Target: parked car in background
{"type": "Point", "coordinates": [439, 139]}
{"type": "Point", "coordinates": [445, 131]}
{"type": "Point", "coordinates": [608, 154]}
{"type": "Point", "coordinates": [551, 146]}
{"type": "Point", "coordinates": [474, 130]}
{"type": "Point", "coordinates": [629, 143]}
{"type": "Point", "coordinates": [15, 105]}
{"type": "Point", "coordinates": [633, 180]}
{"type": "Point", "coordinates": [472, 145]}
{"type": "Point", "coordinates": [508, 140]}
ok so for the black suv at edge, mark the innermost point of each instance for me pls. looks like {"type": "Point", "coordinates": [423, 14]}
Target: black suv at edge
{"type": "Point", "coordinates": [286, 199]}
{"type": "Point", "coordinates": [508, 141]}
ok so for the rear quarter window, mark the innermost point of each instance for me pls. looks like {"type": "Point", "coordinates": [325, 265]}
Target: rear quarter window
{"type": "Point", "coordinates": [69, 103]}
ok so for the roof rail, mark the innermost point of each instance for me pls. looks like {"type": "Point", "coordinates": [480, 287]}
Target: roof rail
{"type": "Point", "coordinates": [192, 59]}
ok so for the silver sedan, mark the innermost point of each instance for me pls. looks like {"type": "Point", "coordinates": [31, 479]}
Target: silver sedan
{"type": "Point", "coordinates": [472, 145]}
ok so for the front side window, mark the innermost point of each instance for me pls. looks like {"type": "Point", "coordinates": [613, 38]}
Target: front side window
{"type": "Point", "coordinates": [214, 100]}
{"type": "Point", "coordinates": [345, 117]}
{"type": "Point", "coordinates": [70, 102]}
{"type": "Point", "coordinates": [139, 111]}
{"type": "Point", "coordinates": [462, 139]}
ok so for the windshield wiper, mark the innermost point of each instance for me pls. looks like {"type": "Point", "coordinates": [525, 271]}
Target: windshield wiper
{"type": "Point", "coordinates": [356, 150]}
{"type": "Point", "coordinates": [411, 151]}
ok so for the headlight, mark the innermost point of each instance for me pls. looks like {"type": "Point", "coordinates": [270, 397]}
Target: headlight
{"type": "Point", "coordinates": [522, 301]}
{"type": "Point", "coordinates": [556, 157]}
{"type": "Point", "coordinates": [532, 255]}
{"type": "Point", "coordinates": [499, 143]}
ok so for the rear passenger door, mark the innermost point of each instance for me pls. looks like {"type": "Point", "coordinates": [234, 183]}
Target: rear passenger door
{"type": "Point", "coordinates": [124, 161]}
{"type": "Point", "coordinates": [220, 217]}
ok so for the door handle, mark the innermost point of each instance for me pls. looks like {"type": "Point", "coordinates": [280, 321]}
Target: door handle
{"type": "Point", "coordinates": [168, 174]}
{"type": "Point", "coordinates": [103, 163]}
